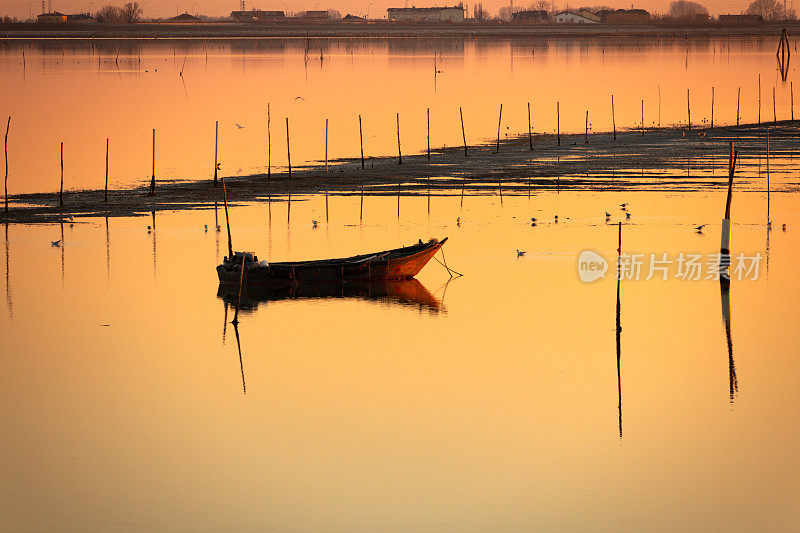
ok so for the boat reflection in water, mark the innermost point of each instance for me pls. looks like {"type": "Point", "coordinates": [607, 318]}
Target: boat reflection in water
{"type": "Point", "coordinates": [409, 292]}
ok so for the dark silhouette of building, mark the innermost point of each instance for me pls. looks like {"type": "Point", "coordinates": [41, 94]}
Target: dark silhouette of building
{"type": "Point", "coordinates": [256, 15]}
{"type": "Point", "coordinates": [530, 16]}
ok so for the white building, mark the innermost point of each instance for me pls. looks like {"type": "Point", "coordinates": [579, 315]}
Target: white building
{"type": "Point", "coordinates": [577, 17]}
{"type": "Point", "coordinates": [425, 14]}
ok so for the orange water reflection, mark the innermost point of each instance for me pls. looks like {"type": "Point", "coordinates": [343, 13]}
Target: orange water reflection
{"type": "Point", "coordinates": [121, 90]}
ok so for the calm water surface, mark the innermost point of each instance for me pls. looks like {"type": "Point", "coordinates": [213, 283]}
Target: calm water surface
{"type": "Point", "coordinates": [84, 92]}
{"type": "Point", "coordinates": [126, 406]}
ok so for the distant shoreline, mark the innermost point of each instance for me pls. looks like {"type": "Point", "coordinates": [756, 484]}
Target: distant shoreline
{"type": "Point", "coordinates": [382, 29]}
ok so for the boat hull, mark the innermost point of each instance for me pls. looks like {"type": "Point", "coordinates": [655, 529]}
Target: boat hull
{"type": "Point", "coordinates": [390, 265]}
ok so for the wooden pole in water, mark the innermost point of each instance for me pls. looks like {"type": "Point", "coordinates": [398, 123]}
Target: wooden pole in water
{"type": "Point", "coordinates": [613, 121]}
{"type": "Point", "coordinates": [61, 189]}
{"type": "Point", "coordinates": [712, 108]}
{"type": "Point", "coordinates": [689, 110]}
{"type": "Point", "coordinates": [399, 153]}
{"type": "Point", "coordinates": [429, 133]}
{"type": "Point", "coordinates": [738, 99]}
{"type": "Point", "coordinates": [326, 146]}
{"type": "Point", "coordinates": [768, 219]}
{"type": "Point", "coordinates": [499, 121]}
{"type": "Point", "coordinates": [530, 134]}
{"type": "Point", "coordinates": [289, 160]}
{"type": "Point", "coordinates": [105, 193]}
{"type": "Point", "coordinates": [227, 220]}
{"type": "Point", "coordinates": [759, 99]}
{"type": "Point", "coordinates": [288, 148]}
{"type": "Point", "coordinates": [558, 122]}
{"type": "Point", "coordinates": [361, 140]}
{"type": "Point", "coordinates": [269, 146]}
{"type": "Point", "coordinates": [791, 98]}
{"type": "Point", "coordinates": [659, 106]}
{"type": "Point", "coordinates": [463, 134]}
{"type": "Point", "coordinates": [774, 114]}
{"type": "Point", "coordinates": [216, 146]}
{"type": "Point", "coordinates": [153, 178]}
{"type": "Point", "coordinates": [586, 130]}
{"type": "Point", "coordinates": [5, 150]}
{"type": "Point", "coordinates": [726, 222]}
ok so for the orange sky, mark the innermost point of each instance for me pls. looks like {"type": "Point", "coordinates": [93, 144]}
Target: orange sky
{"type": "Point", "coordinates": [162, 8]}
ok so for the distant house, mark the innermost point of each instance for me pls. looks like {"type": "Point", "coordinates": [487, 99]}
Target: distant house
{"type": "Point", "coordinates": [353, 18]}
{"type": "Point", "coordinates": [741, 20]}
{"type": "Point", "coordinates": [81, 18]}
{"type": "Point", "coordinates": [256, 15]}
{"type": "Point", "coordinates": [624, 16]}
{"type": "Point", "coordinates": [55, 16]}
{"type": "Point", "coordinates": [425, 14]}
{"type": "Point", "coordinates": [530, 16]}
{"type": "Point", "coordinates": [314, 15]}
{"type": "Point", "coordinates": [576, 17]}
{"type": "Point", "coordinates": [185, 18]}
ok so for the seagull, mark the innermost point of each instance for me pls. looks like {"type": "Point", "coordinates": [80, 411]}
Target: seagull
{"type": "Point", "coordinates": [217, 228]}
{"type": "Point", "coordinates": [533, 219]}
{"type": "Point", "coordinates": [313, 223]}
{"type": "Point", "coordinates": [556, 219]}
{"type": "Point", "coordinates": [55, 243]}
{"type": "Point", "coordinates": [608, 215]}
{"type": "Point", "coordinates": [238, 125]}
{"type": "Point", "coordinates": [624, 206]}
{"type": "Point", "coordinates": [700, 228]}
{"type": "Point", "coordinates": [784, 227]}
{"type": "Point", "coordinates": [148, 229]}
{"type": "Point", "coordinates": [520, 254]}
{"type": "Point", "coordinates": [298, 98]}
{"type": "Point", "coordinates": [205, 227]}
{"type": "Point", "coordinates": [627, 215]}
{"type": "Point", "coordinates": [458, 222]}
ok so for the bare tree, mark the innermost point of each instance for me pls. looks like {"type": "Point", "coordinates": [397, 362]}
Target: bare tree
{"type": "Point", "coordinates": [131, 12]}
{"type": "Point", "coordinates": [542, 5]}
{"type": "Point", "coordinates": [478, 13]}
{"type": "Point", "coordinates": [109, 14]}
{"type": "Point", "coordinates": [682, 9]}
{"type": "Point", "coordinates": [768, 9]}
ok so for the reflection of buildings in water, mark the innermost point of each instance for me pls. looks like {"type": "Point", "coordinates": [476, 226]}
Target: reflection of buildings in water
{"type": "Point", "coordinates": [409, 293]}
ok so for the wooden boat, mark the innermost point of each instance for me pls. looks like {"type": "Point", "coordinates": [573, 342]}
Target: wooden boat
{"type": "Point", "coordinates": [390, 265]}
{"type": "Point", "coordinates": [407, 292]}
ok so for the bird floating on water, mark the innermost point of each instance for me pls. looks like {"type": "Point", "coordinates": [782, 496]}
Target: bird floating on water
{"type": "Point", "coordinates": [55, 243]}
{"type": "Point", "coordinates": [784, 227]}
{"type": "Point", "coordinates": [217, 228]}
{"type": "Point", "coordinates": [520, 253]}
{"type": "Point", "coordinates": [458, 222]}
{"type": "Point", "coordinates": [313, 223]}
{"type": "Point", "coordinates": [700, 228]}
{"type": "Point", "coordinates": [624, 206]}
{"type": "Point", "coordinates": [608, 215]}
{"type": "Point", "coordinates": [533, 219]}
{"type": "Point", "coordinates": [627, 215]}
{"type": "Point", "coordinates": [556, 219]}
{"type": "Point", "coordinates": [205, 227]}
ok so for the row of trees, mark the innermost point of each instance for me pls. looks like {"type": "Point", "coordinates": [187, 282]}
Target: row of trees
{"type": "Point", "coordinates": [127, 14]}
{"type": "Point", "coordinates": [770, 10]}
